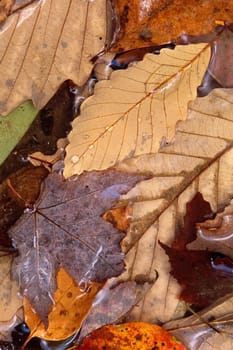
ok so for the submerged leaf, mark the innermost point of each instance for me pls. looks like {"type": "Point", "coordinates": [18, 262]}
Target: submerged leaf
{"type": "Point", "coordinates": [131, 113]}
{"type": "Point", "coordinates": [65, 229]}
{"type": "Point", "coordinates": [134, 335]}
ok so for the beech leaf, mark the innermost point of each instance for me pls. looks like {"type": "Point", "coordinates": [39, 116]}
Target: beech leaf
{"type": "Point", "coordinates": [65, 229]}
{"type": "Point", "coordinates": [129, 114]}
{"type": "Point", "coordinates": [45, 43]}
{"type": "Point", "coordinates": [199, 159]}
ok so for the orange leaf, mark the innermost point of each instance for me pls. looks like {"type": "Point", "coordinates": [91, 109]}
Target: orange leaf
{"type": "Point", "coordinates": [71, 306]}
{"type": "Point", "coordinates": [132, 335]}
{"type": "Point", "coordinates": [120, 217]}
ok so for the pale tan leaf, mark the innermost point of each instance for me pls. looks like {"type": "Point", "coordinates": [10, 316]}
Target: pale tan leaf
{"type": "Point", "coordinates": [211, 329]}
{"type": "Point", "coordinates": [131, 113]}
{"type": "Point", "coordinates": [198, 159]}
{"type": "Point", "coordinates": [9, 299]}
{"type": "Point", "coordinates": [44, 44]}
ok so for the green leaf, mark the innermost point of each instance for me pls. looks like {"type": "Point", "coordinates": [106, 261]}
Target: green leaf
{"type": "Point", "coordinates": [14, 126]}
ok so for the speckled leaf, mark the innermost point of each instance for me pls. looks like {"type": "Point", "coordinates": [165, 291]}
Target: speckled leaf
{"type": "Point", "coordinates": [66, 230]}
{"type": "Point", "coordinates": [46, 42]}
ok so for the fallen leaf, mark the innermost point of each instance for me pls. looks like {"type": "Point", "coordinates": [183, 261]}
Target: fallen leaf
{"type": "Point", "coordinates": [201, 283]}
{"type": "Point", "coordinates": [65, 229]}
{"type": "Point", "coordinates": [112, 304]}
{"type": "Point", "coordinates": [18, 191]}
{"type": "Point", "coordinates": [50, 124]}
{"type": "Point", "coordinates": [119, 217]}
{"type": "Point", "coordinates": [209, 329]}
{"type": "Point", "coordinates": [219, 72]}
{"type": "Point", "coordinates": [71, 305]}
{"type": "Point", "coordinates": [134, 335]}
{"type": "Point", "coordinates": [13, 127]}
{"type": "Point", "coordinates": [129, 114]}
{"type": "Point", "coordinates": [10, 302]}
{"type": "Point", "coordinates": [147, 23]}
{"type": "Point", "coordinates": [5, 9]}
{"type": "Point", "coordinates": [45, 43]}
{"type": "Point", "coordinates": [216, 235]}
{"type": "Point", "coordinates": [199, 159]}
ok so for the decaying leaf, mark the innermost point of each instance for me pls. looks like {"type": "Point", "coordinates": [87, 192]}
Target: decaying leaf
{"type": "Point", "coordinates": [112, 304]}
{"type": "Point", "coordinates": [134, 335]}
{"type": "Point", "coordinates": [210, 329]}
{"type": "Point", "coordinates": [65, 229]}
{"type": "Point", "coordinates": [10, 302]}
{"type": "Point", "coordinates": [157, 22]}
{"type": "Point", "coordinates": [199, 159]}
{"type": "Point", "coordinates": [216, 235]}
{"type": "Point", "coordinates": [131, 113]}
{"type": "Point", "coordinates": [71, 305]}
{"type": "Point", "coordinates": [219, 72]}
{"type": "Point", "coordinates": [200, 272]}
{"type": "Point", "coordinates": [18, 191]}
{"type": "Point", "coordinates": [44, 44]}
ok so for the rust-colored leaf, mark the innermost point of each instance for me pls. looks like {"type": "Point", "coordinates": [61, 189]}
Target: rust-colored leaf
{"type": "Point", "coordinates": [127, 336]}
{"type": "Point", "coordinates": [144, 23]}
{"type": "Point", "coordinates": [5, 9]}
{"type": "Point", "coordinates": [119, 217]}
{"type": "Point", "coordinates": [71, 305]}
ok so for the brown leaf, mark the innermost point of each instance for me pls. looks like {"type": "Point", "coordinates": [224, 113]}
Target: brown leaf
{"type": "Point", "coordinates": [18, 191]}
{"type": "Point", "coordinates": [199, 159]}
{"type": "Point", "coordinates": [44, 44]}
{"type": "Point", "coordinates": [9, 299]}
{"type": "Point", "coordinates": [133, 112]}
{"type": "Point", "coordinates": [71, 305]}
{"type": "Point", "coordinates": [145, 24]}
{"type": "Point", "coordinates": [112, 304]}
{"type": "Point", "coordinates": [216, 235]}
{"type": "Point", "coordinates": [219, 72]}
{"type": "Point", "coordinates": [65, 229]}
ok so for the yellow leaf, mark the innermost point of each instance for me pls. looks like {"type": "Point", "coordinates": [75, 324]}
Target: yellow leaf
{"type": "Point", "coordinates": [131, 113]}
{"type": "Point", "coordinates": [44, 44]}
{"type": "Point", "coordinates": [199, 159]}
{"type": "Point", "coordinates": [69, 311]}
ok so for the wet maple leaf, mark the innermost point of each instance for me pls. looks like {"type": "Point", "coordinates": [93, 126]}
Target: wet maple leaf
{"type": "Point", "coordinates": [201, 282]}
{"type": "Point", "coordinates": [132, 335]}
{"type": "Point", "coordinates": [66, 229]}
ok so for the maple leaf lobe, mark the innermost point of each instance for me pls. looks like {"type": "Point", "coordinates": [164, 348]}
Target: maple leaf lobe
{"type": "Point", "coordinates": [67, 230]}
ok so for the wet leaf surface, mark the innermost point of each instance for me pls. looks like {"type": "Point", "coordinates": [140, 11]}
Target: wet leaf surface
{"type": "Point", "coordinates": [138, 336]}
{"type": "Point", "coordinates": [71, 305]}
{"type": "Point", "coordinates": [18, 191]}
{"type": "Point", "coordinates": [150, 23]}
{"type": "Point", "coordinates": [50, 124]}
{"type": "Point", "coordinates": [65, 229]}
